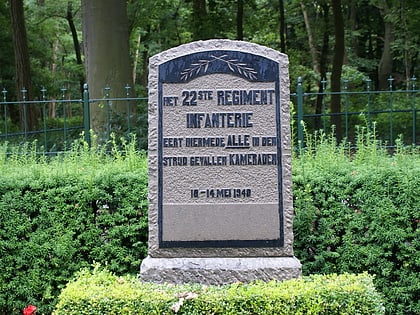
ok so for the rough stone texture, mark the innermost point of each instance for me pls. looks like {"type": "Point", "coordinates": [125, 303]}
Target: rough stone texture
{"type": "Point", "coordinates": [218, 271]}
{"type": "Point", "coordinates": [219, 265]}
{"type": "Point", "coordinates": [155, 61]}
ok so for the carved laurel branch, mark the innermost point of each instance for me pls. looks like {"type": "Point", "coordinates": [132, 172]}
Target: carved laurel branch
{"type": "Point", "coordinates": [233, 64]}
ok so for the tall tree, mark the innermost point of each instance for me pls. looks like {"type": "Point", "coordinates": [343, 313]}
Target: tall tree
{"type": "Point", "coordinates": [28, 113]}
{"type": "Point", "coordinates": [106, 43]}
{"type": "Point", "coordinates": [410, 25]}
{"type": "Point", "coordinates": [282, 27]}
{"type": "Point", "coordinates": [311, 41]}
{"type": "Point", "coordinates": [6, 48]}
{"type": "Point", "coordinates": [240, 20]}
{"type": "Point", "coordinates": [318, 41]}
{"type": "Point", "coordinates": [199, 17]}
{"type": "Point", "coordinates": [76, 43]}
{"type": "Point", "coordinates": [354, 27]}
{"type": "Point", "coordinates": [337, 66]}
{"type": "Point", "coordinates": [323, 63]}
{"type": "Point", "coordinates": [386, 63]}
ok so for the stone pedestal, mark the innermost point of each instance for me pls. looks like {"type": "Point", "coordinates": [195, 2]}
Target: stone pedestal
{"type": "Point", "coordinates": [216, 271]}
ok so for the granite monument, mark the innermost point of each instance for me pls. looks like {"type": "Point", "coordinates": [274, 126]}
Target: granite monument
{"type": "Point", "coordinates": [220, 199]}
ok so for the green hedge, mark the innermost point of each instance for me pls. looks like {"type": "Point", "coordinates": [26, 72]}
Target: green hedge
{"type": "Point", "coordinates": [360, 211]}
{"type": "Point", "coordinates": [59, 216]}
{"type": "Point", "coordinates": [101, 292]}
{"type": "Point", "coordinates": [356, 211]}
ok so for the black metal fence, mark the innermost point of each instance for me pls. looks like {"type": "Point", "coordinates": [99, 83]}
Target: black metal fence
{"type": "Point", "coordinates": [62, 120]}
{"type": "Point", "coordinates": [393, 114]}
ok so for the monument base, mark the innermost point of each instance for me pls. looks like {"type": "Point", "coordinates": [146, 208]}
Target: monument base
{"type": "Point", "coordinates": [219, 270]}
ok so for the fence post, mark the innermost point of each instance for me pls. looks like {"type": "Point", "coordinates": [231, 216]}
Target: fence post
{"type": "Point", "coordinates": [25, 118]}
{"type": "Point", "coordinates": [5, 111]}
{"type": "Point", "coordinates": [63, 99]}
{"type": "Point", "coordinates": [127, 95]}
{"type": "Point", "coordinates": [391, 110]}
{"type": "Point", "coordinates": [108, 112]}
{"type": "Point", "coordinates": [346, 108]}
{"type": "Point", "coordinates": [368, 81]}
{"type": "Point", "coordinates": [324, 94]}
{"type": "Point", "coordinates": [44, 115]}
{"type": "Point", "coordinates": [86, 113]}
{"type": "Point", "coordinates": [300, 112]}
{"type": "Point", "coordinates": [413, 106]}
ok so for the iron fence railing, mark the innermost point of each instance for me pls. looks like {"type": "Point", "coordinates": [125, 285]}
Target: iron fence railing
{"type": "Point", "coordinates": [63, 119]}
{"type": "Point", "coordinates": [393, 112]}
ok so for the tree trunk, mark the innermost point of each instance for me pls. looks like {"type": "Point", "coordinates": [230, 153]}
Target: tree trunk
{"type": "Point", "coordinates": [199, 19]}
{"type": "Point", "coordinates": [282, 27]}
{"type": "Point", "coordinates": [27, 115]}
{"type": "Point", "coordinates": [136, 58]}
{"type": "Point", "coordinates": [323, 66]}
{"type": "Point", "coordinates": [240, 20]}
{"type": "Point", "coordinates": [386, 63]}
{"type": "Point", "coordinates": [76, 42]}
{"type": "Point", "coordinates": [143, 78]}
{"type": "Point", "coordinates": [312, 47]}
{"type": "Point", "coordinates": [354, 28]}
{"type": "Point", "coordinates": [106, 43]}
{"type": "Point", "coordinates": [52, 105]}
{"type": "Point", "coordinates": [337, 67]}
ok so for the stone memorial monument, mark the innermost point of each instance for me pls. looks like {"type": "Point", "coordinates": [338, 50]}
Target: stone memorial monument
{"type": "Point", "coordinates": [220, 199]}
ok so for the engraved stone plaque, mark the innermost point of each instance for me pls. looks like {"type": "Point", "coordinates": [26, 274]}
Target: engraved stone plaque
{"type": "Point", "coordinates": [219, 153]}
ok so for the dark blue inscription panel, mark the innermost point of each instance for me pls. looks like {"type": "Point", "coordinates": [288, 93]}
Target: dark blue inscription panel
{"type": "Point", "coordinates": [251, 67]}
{"type": "Point", "coordinates": [219, 151]}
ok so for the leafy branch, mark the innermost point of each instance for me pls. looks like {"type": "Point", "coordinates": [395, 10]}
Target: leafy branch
{"type": "Point", "coordinates": [234, 65]}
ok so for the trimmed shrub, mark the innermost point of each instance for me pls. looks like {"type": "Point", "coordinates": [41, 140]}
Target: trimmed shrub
{"type": "Point", "coordinates": [101, 292]}
{"type": "Point", "coordinates": [360, 211]}
{"type": "Point", "coordinates": [356, 211]}
{"type": "Point", "coordinates": [61, 215]}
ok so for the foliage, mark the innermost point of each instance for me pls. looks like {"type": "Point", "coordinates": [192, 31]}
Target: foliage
{"type": "Point", "coordinates": [393, 112]}
{"type": "Point", "coordinates": [156, 26]}
{"type": "Point", "coordinates": [358, 210]}
{"type": "Point", "coordinates": [102, 292]}
{"type": "Point", "coordinates": [62, 213]}
{"type": "Point", "coordinates": [396, 115]}
{"type": "Point", "coordinates": [6, 49]}
{"type": "Point", "coordinates": [51, 45]}
{"type": "Point", "coordinates": [56, 134]}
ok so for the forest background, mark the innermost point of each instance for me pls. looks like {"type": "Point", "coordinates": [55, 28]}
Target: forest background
{"type": "Point", "coordinates": [356, 210]}
{"type": "Point", "coordinates": [57, 46]}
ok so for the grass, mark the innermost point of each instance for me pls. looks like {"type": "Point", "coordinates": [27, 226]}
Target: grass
{"type": "Point", "coordinates": [79, 159]}
{"type": "Point", "coordinates": [322, 150]}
